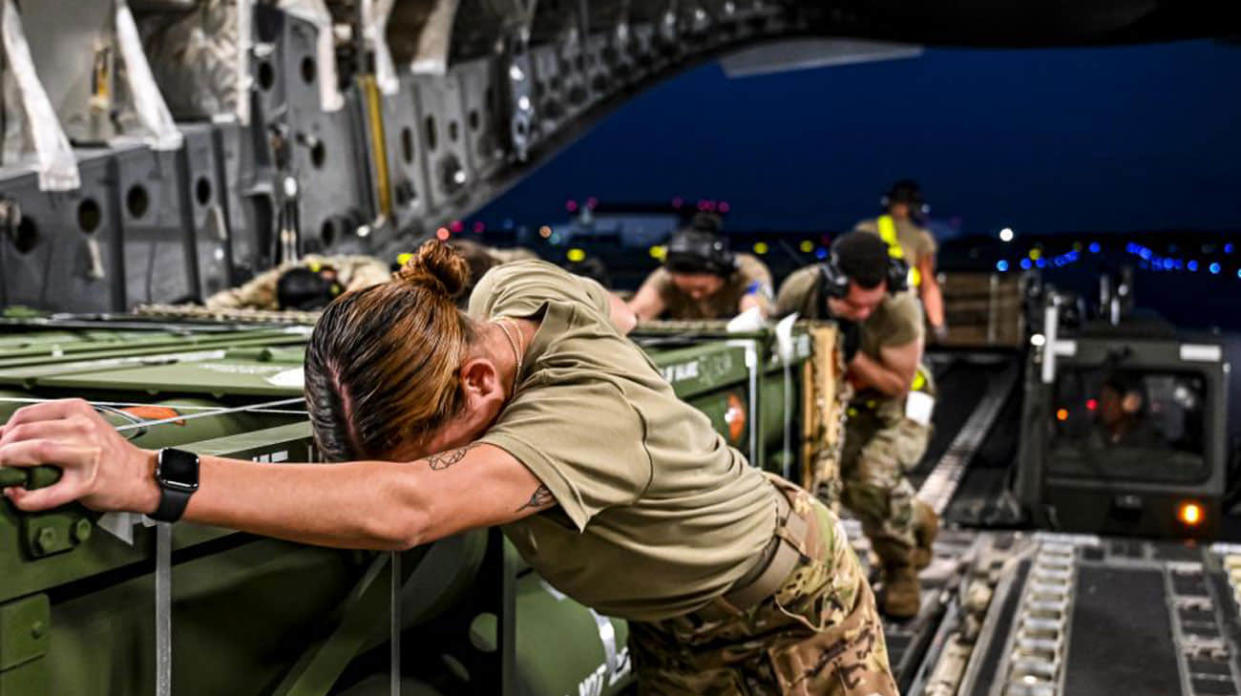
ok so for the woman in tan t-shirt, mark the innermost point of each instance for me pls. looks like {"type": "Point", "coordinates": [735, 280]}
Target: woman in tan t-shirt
{"type": "Point", "coordinates": [531, 411]}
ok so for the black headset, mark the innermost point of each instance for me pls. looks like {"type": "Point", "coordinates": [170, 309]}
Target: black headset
{"type": "Point", "coordinates": [836, 281]}
{"type": "Point", "coordinates": [906, 191]}
{"type": "Point", "coordinates": [307, 289]}
{"type": "Point", "coordinates": [699, 251]}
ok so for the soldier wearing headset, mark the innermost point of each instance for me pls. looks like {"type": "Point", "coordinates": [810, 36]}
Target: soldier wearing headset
{"type": "Point", "coordinates": [901, 229]}
{"type": "Point", "coordinates": [702, 279]}
{"type": "Point", "coordinates": [864, 290]}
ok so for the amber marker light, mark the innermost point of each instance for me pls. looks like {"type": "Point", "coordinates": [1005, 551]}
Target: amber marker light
{"type": "Point", "coordinates": [1062, 415]}
{"type": "Point", "coordinates": [1190, 514]}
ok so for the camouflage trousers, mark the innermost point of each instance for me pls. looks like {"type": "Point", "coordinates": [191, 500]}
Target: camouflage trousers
{"type": "Point", "coordinates": [818, 634]}
{"type": "Point", "coordinates": [879, 449]}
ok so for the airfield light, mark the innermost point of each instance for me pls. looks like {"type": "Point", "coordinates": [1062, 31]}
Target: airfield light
{"type": "Point", "coordinates": [442, 234]}
{"type": "Point", "coordinates": [760, 248]}
{"type": "Point", "coordinates": [1037, 340]}
{"type": "Point", "coordinates": [1092, 404]}
{"type": "Point", "coordinates": [806, 246]}
{"type": "Point", "coordinates": [1094, 247]}
{"type": "Point", "coordinates": [1036, 254]}
{"type": "Point", "coordinates": [457, 227]}
{"type": "Point", "coordinates": [591, 203]}
{"type": "Point", "coordinates": [1006, 234]}
{"type": "Point", "coordinates": [480, 227]}
{"type": "Point", "coordinates": [1193, 266]}
{"type": "Point", "coordinates": [1001, 265]}
{"type": "Point", "coordinates": [1228, 248]}
{"type": "Point", "coordinates": [576, 255]}
{"type": "Point", "coordinates": [1190, 514]}
{"type": "Point", "coordinates": [1214, 267]}
{"type": "Point", "coordinates": [678, 202]}
{"type": "Point", "coordinates": [820, 253]}
{"type": "Point", "coordinates": [570, 205]}
{"type": "Point", "coordinates": [545, 231]}
{"type": "Point", "coordinates": [1025, 264]}
{"type": "Point", "coordinates": [1062, 415]}
{"type": "Point", "coordinates": [659, 252]}
{"type": "Point", "coordinates": [723, 207]}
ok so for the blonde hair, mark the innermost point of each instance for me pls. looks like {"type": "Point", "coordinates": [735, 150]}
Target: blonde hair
{"type": "Point", "coordinates": [382, 363]}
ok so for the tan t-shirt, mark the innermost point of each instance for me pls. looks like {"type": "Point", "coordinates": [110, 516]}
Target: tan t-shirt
{"type": "Point", "coordinates": [657, 515]}
{"type": "Point", "coordinates": [897, 321]}
{"type": "Point", "coordinates": [916, 242]}
{"type": "Point", "coordinates": [751, 277]}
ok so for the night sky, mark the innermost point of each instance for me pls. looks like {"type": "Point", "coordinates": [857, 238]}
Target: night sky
{"type": "Point", "coordinates": [1131, 138]}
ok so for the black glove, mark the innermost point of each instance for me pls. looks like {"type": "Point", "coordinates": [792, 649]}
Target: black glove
{"type": "Point", "coordinates": [850, 338]}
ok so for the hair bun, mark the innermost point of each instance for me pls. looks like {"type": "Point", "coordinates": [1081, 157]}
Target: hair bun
{"type": "Point", "coordinates": [437, 267]}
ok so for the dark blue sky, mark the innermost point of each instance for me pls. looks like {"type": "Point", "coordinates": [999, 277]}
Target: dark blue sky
{"type": "Point", "coordinates": [1129, 138]}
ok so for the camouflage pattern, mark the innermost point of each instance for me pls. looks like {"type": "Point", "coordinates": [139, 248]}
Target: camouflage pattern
{"type": "Point", "coordinates": [818, 634]}
{"type": "Point", "coordinates": [881, 445]}
{"type": "Point", "coordinates": [353, 272]}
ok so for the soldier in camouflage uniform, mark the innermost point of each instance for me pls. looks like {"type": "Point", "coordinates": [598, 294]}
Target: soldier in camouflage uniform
{"type": "Point", "coordinates": [346, 273]}
{"type": "Point", "coordinates": [889, 417]}
{"type": "Point", "coordinates": [818, 634]}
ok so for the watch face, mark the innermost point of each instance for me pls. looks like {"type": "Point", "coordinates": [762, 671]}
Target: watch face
{"type": "Point", "coordinates": [177, 469]}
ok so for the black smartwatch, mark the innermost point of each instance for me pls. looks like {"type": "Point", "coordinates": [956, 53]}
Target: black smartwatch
{"type": "Point", "coordinates": [176, 472]}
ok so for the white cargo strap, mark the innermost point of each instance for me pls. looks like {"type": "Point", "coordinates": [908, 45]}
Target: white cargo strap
{"type": "Point", "coordinates": [607, 636]}
{"type": "Point", "coordinates": [245, 18]}
{"type": "Point", "coordinates": [787, 350]}
{"type": "Point", "coordinates": [431, 56]}
{"type": "Point", "coordinates": [57, 167]}
{"type": "Point", "coordinates": [148, 102]}
{"type": "Point", "coordinates": [316, 12]}
{"type": "Point", "coordinates": [163, 609]}
{"type": "Point", "coordinates": [375, 14]}
{"type": "Point", "coordinates": [394, 628]}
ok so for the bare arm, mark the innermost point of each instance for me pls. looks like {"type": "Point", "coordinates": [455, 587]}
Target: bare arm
{"type": "Point", "coordinates": [369, 504]}
{"type": "Point", "coordinates": [892, 374]}
{"type": "Point", "coordinates": [647, 304]}
{"type": "Point", "coordinates": [623, 317]}
{"type": "Point", "coordinates": [932, 298]}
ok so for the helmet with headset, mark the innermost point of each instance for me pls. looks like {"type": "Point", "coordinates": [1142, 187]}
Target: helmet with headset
{"type": "Point", "coordinates": [908, 192]}
{"type": "Point", "coordinates": [700, 248]}
{"type": "Point", "coordinates": [868, 248]}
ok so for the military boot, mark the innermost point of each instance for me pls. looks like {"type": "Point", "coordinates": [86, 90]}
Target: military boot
{"type": "Point", "coordinates": [926, 527]}
{"type": "Point", "coordinates": [901, 593]}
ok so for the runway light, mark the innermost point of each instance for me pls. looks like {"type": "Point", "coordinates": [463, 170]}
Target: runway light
{"type": "Point", "coordinates": [480, 227]}
{"type": "Point", "coordinates": [1001, 266]}
{"type": "Point", "coordinates": [442, 234]}
{"type": "Point", "coordinates": [820, 253]}
{"type": "Point", "coordinates": [1190, 514]}
{"type": "Point", "coordinates": [1214, 268]}
{"type": "Point", "coordinates": [570, 205]}
{"type": "Point", "coordinates": [1094, 247]}
{"type": "Point", "coordinates": [545, 231]}
{"type": "Point", "coordinates": [806, 246]}
{"type": "Point", "coordinates": [591, 203]}
{"type": "Point", "coordinates": [1025, 264]}
{"type": "Point", "coordinates": [1092, 404]}
{"type": "Point", "coordinates": [1036, 254]}
{"type": "Point", "coordinates": [678, 202]}
{"type": "Point", "coordinates": [1040, 263]}
{"type": "Point", "coordinates": [1228, 248]}
{"type": "Point", "coordinates": [1006, 234]}
{"type": "Point", "coordinates": [724, 207]}
{"type": "Point", "coordinates": [1192, 266]}
{"type": "Point", "coordinates": [659, 252]}
{"type": "Point", "coordinates": [1062, 415]}
{"type": "Point", "coordinates": [576, 255]}
{"type": "Point", "coordinates": [457, 226]}
{"type": "Point", "coordinates": [760, 248]}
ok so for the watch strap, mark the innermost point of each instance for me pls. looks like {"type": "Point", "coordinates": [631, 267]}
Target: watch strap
{"type": "Point", "coordinates": [172, 503]}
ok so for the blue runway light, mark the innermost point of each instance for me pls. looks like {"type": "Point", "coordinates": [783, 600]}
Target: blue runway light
{"type": "Point", "coordinates": [1193, 266]}
{"type": "Point", "coordinates": [1228, 248]}
{"type": "Point", "coordinates": [1169, 264]}
{"type": "Point", "coordinates": [1041, 263]}
{"type": "Point", "coordinates": [1025, 264]}
{"type": "Point", "coordinates": [820, 253]}
{"type": "Point", "coordinates": [1001, 266]}
{"type": "Point", "coordinates": [1214, 268]}
{"type": "Point", "coordinates": [1094, 247]}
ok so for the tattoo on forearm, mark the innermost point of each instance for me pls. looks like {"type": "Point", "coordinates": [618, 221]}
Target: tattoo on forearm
{"type": "Point", "coordinates": [443, 460]}
{"type": "Point", "coordinates": [541, 498]}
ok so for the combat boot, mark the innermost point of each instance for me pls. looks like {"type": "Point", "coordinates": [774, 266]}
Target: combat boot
{"type": "Point", "coordinates": [926, 527]}
{"type": "Point", "coordinates": [901, 593]}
